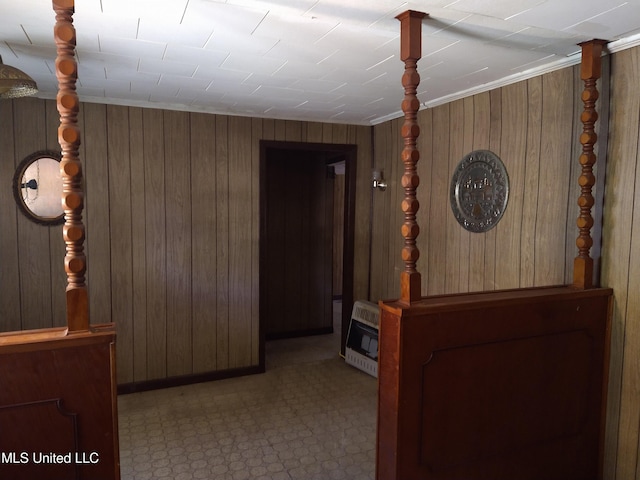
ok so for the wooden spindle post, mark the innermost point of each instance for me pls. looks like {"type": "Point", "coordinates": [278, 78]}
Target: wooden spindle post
{"type": "Point", "coordinates": [410, 53]}
{"type": "Point", "coordinates": [70, 167]}
{"type": "Point", "coordinates": [590, 72]}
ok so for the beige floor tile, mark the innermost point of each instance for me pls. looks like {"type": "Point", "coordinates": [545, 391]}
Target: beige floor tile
{"type": "Point", "coordinates": [309, 416]}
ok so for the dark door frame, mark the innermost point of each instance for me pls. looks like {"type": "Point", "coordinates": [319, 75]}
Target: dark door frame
{"type": "Point", "coordinates": [332, 150]}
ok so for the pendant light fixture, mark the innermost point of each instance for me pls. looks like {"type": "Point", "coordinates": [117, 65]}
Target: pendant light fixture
{"type": "Point", "coordinates": [15, 83]}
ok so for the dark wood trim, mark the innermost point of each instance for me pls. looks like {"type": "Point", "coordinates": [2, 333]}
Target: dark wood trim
{"type": "Point", "coordinates": [182, 380]}
{"type": "Point", "coordinates": [348, 253]}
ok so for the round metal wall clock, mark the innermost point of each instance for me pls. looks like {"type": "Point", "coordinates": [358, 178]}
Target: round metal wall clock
{"type": "Point", "coordinates": [479, 191]}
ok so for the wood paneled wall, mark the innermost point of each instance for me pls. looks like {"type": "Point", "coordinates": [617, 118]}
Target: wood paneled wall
{"type": "Point", "coordinates": [172, 220]}
{"type": "Point", "coordinates": [32, 277]}
{"type": "Point", "coordinates": [530, 126]}
{"type": "Point", "coordinates": [534, 127]}
{"type": "Point", "coordinates": [621, 267]}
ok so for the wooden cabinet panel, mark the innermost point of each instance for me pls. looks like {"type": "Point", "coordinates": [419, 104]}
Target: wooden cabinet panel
{"type": "Point", "coordinates": [59, 397]}
{"type": "Point", "coordinates": [500, 385]}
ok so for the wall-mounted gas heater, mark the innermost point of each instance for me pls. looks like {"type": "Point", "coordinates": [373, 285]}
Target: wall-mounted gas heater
{"type": "Point", "coordinates": [361, 349]}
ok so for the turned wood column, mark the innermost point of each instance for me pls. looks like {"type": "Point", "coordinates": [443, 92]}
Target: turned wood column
{"type": "Point", "coordinates": [410, 53]}
{"type": "Point", "coordinates": [590, 71]}
{"type": "Point", "coordinates": [70, 167]}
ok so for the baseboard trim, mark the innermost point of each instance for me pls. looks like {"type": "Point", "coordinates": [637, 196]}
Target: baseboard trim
{"type": "Point", "coordinates": [182, 380]}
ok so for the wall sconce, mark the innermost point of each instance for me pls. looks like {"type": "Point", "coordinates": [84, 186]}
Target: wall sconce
{"type": "Point", "coordinates": [15, 83]}
{"type": "Point", "coordinates": [378, 180]}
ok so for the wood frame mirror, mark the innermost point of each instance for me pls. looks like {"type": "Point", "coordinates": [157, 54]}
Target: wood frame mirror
{"type": "Point", "coordinates": [37, 187]}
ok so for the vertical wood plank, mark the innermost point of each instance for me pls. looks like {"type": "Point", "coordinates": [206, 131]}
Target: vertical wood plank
{"type": "Point", "coordinates": [327, 132]}
{"type": "Point", "coordinates": [630, 407]}
{"type": "Point", "coordinates": [33, 239]}
{"type": "Point", "coordinates": [512, 154]}
{"type": "Point", "coordinates": [57, 246]}
{"type": "Point", "coordinates": [339, 134]}
{"type": "Point", "coordinates": [439, 204]}
{"type": "Point", "coordinates": [453, 234]}
{"type": "Point", "coordinates": [240, 249]}
{"type": "Point", "coordinates": [362, 241]}
{"type": "Point", "coordinates": [222, 241]}
{"type": "Point", "coordinates": [178, 214]}
{"type": "Point", "coordinates": [314, 132]}
{"type": "Point", "coordinates": [466, 237]}
{"type": "Point", "coordinates": [396, 216]}
{"type": "Point", "coordinates": [268, 129]}
{"type": "Point", "coordinates": [531, 183]}
{"type": "Point", "coordinates": [280, 130]}
{"type": "Point", "coordinates": [424, 145]}
{"type": "Point", "coordinates": [381, 203]}
{"type": "Point", "coordinates": [9, 272]}
{"type": "Point", "coordinates": [121, 236]}
{"type": "Point", "coordinates": [256, 135]}
{"type": "Point", "coordinates": [156, 243]}
{"type": "Point", "coordinates": [621, 193]}
{"type": "Point", "coordinates": [138, 257]}
{"type": "Point", "coordinates": [554, 177]}
{"type": "Point", "coordinates": [293, 131]}
{"type": "Point", "coordinates": [495, 137]}
{"type": "Point", "coordinates": [203, 232]}
{"type": "Point", "coordinates": [97, 221]}
{"type": "Point", "coordinates": [481, 125]}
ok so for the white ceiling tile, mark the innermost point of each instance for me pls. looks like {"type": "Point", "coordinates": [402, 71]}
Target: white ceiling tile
{"type": "Point", "coordinates": [562, 14]}
{"type": "Point", "coordinates": [106, 25]}
{"type": "Point", "coordinates": [624, 17]}
{"type": "Point", "coordinates": [160, 32]}
{"type": "Point", "coordinates": [252, 63]}
{"type": "Point", "coordinates": [293, 28]}
{"type": "Point", "coordinates": [173, 10]}
{"type": "Point", "coordinates": [128, 47]}
{"type": "Point", "coordinates": [257, 79]}
{"type": "Point", "coordinates": [501, 9]}
{"type": "Point", "coordinates": [322, 60]}
{"type": "Point", "coordinates": [151, 65]}
{"type": "Point", "coordinates": [182, 82]}
{"type": "Point", "coordinates": [222, 17]}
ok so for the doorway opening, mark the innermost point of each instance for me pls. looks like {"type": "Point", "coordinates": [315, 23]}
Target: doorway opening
{"type": "Point", "coordinates": [297, 285]}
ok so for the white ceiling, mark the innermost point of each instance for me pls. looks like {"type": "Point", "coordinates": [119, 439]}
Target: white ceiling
{"type": "Point", "coordinates": [319, 60]}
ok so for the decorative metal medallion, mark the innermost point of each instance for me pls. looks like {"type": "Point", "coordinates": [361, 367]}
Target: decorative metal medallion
{"type": "Point", "coordinates": [479, 191]}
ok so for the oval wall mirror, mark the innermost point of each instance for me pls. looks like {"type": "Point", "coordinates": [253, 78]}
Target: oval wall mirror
{"type": "Point", "coordinates": [37, 187]}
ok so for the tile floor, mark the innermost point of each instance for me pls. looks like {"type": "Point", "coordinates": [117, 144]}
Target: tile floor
{"type": "Point", "coordinates": [309, 417]}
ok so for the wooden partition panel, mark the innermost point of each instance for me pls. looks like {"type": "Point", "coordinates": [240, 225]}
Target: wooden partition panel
{"type": "Point", "coordinates": [58, 405]}
{"type": "Point", "coordinates": [498, 386]}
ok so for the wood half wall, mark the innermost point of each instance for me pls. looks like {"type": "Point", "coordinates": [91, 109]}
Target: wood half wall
{"type": "Point", "coordinates": [172, 219]}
